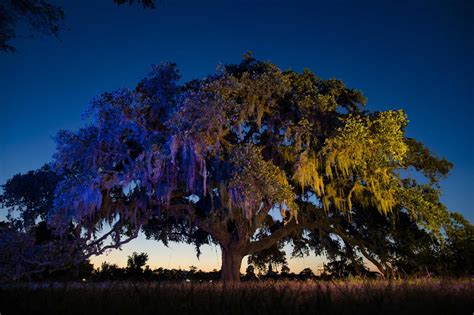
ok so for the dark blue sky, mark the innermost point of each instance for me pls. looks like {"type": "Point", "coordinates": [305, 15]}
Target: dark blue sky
{"type": "Point", "coordinates": [415, 55]}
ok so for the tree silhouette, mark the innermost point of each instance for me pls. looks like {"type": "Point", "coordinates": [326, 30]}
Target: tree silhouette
{"type": "Point", "coordinates": [41, 16]}
{"type": "Point", "coordinates": [147, 4]}
{"type": "Point", "coordinates": [135, 264]}
{"type": "Point", "coordinates": [306, 274]}
{"type": "Point", "coordinates": [30, 195]}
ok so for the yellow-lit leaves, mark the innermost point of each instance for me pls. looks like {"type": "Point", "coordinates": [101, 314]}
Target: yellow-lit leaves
{"type": "Point", "coordinates": [423, 205]}
{"type": "Point", "coordinates": [260, 93]}
{"type": "Point", "coordinates": [364, 154]}
{"type": "Point", "coordinates": [307, 174]}
{"type": "Point", "coordinates": [255, 180]}
{"type": "Point", "coordinates": [358, 163]}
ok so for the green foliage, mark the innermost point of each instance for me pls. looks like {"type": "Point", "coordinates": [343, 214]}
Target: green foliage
{"type": "Point", "coordinates": [423, 160]}
{"type": "Point", "coordinates": [423, 204]}
{"type": "Point", "coordinates": [209, 160]}
{"type": "Point", "coordinates": [364, 154]}
{"type": "Point", "coordinates": [256, 179]}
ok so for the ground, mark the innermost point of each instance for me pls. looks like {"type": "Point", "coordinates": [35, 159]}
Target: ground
{"type": "Point", "coordinates": [421, 296]}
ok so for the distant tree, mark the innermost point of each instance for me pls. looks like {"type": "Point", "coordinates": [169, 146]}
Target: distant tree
{"type": "Point", "coordinates": [109, 272]}
{"type": "Point", "coordinates": [137, 261]}
{"type": "Point", "coordinates": [250, 274]}
{"type": "Point", "coordinates": [306, 274]}
{"type": "Point", "coordinates": [285, 269]}
{"type": "Point", "coordinates": [135, 264]}
{"type": "Point", "coordinates": [274, 256]}
{"type": "Point", "coordinates": [148, 274]}
{"type": "Point", "coordinates": [345, 267]}
{"type": "Point", "coordinates": [211, 160]}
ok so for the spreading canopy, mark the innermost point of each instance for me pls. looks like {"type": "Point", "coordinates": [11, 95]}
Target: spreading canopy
{"type": "Point", "coordinates": [210, 159]}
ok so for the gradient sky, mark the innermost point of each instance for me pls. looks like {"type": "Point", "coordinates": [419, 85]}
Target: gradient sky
{"type": "Point", "coordinates": [415, 55]}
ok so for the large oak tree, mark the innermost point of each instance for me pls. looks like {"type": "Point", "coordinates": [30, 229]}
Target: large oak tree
{"type": "Point", "coordinates": [214, 159]}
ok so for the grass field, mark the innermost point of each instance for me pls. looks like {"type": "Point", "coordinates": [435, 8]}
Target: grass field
{"type": "Point", "coordinates": [427, 296]}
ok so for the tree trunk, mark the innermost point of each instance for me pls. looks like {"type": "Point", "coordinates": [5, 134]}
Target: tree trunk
{"type": "Point", "coordinates": [231, 261]}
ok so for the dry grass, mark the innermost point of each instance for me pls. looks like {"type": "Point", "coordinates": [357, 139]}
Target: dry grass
{"type": "Point", "coordinates": [428, 296]}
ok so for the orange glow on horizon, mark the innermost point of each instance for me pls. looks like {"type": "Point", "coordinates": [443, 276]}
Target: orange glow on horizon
{"type": "Point", "coordinates": [182, 256]}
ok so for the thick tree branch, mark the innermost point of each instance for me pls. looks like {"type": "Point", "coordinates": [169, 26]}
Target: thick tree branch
{"type": "Point", "coordinates": [210, 224]}
{"type": "Point", "coordinates": [282, 232]}
{"type": "Point", "coordinates": [361, 245]}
